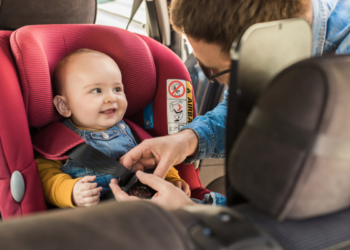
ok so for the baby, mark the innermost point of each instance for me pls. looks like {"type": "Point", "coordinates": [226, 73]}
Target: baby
{"type": "Point", "coordinates": [89, 92]}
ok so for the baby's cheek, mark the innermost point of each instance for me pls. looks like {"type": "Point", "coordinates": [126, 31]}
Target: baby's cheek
{"type": "Point", "coordinates": [123, 107]}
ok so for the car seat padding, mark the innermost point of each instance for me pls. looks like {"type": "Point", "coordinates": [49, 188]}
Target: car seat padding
{"type": "Point", "coordinates": [16, 152]}
{"type": "Point", "coordinates": [37, 50]}
{"type": "Point", "coordinates": [145, 64]}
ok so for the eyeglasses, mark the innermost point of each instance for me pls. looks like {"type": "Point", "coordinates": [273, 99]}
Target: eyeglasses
{"type": "Point", "coordinates": [208, 72]}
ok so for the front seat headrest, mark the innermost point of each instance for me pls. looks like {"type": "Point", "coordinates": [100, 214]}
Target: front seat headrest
{"type": "Point", "coordinates": [17, 13]}
{"type": "Point", "coordinates": [292, 159]}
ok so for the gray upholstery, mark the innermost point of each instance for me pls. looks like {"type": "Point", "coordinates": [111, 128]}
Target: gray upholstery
{"type": "Point", "coordinates": [291, 181]}
{"type": "Point", "coordinates": [17, 13]}
{"type": "Point", "coordinates": [313, 234]}
{"type": "Point", "coordinates": [110, 225]}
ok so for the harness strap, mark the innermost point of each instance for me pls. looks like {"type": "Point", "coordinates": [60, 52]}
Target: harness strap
{"type": "Point", "coordinates": [91, 158]}
{"type": "Point", "coordinates": [68, 144]}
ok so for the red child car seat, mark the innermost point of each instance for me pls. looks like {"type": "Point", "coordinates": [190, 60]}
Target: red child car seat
{"type": "Point", "coordinates": [16, 152]}
{"type": "Point", "coordinates": [147, 68]}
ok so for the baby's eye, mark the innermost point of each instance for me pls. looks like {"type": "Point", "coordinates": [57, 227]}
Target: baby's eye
{"type": "Point", "coordinates": [117, 89]}
{"type": "Point", "coordinates": [96, 91]}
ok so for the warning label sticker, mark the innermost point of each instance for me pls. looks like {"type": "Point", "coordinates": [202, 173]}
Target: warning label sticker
{"type": "Point", "coordinates": [179, 104]}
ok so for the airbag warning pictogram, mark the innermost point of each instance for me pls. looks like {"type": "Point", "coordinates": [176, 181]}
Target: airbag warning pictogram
{"type": "Point", "coordinates": [179, 105]}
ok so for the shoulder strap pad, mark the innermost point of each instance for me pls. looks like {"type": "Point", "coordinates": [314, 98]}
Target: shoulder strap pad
{"type": "Point", "coordinates": [53, 141]}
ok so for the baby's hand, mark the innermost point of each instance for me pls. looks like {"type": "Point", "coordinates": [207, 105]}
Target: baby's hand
{"type": "Point", "coordinates": [183, 186]}
{"type": "Point", "coordinates": [86, 194]}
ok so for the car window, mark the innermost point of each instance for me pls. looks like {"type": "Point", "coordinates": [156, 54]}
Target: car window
{"type": "Point", "coordinates": [117, 13]}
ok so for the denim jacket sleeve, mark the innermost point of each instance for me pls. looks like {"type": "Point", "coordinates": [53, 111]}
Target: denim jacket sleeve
{"type": "Point", "coordinates": [338, 28]}
{"type": "Point", "coordinates": [331, 27]}
{"type": "Point", "coordinates": [210, 130]}
{"type": "Point", "coordinates": [344, 47]}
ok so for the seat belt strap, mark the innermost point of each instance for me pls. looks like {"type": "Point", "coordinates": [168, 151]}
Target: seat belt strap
{"type": "Point", "coordinates": [153, 21]}
{"type": "Point", "coordinates": [89, 157]}
{"type": "Point", "coordinates": [135, 7]}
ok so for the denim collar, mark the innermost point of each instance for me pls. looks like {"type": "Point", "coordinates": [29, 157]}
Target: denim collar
{"type": "Point", "coordinates": [82, 132]}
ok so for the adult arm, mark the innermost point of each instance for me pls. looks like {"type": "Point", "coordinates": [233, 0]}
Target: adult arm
{"type": "Point", "coordinates": [203, 138]}
{"type": "Point", "coordinates": [210, 130]}
{"type": "Point", "coordinates": [344, 47]}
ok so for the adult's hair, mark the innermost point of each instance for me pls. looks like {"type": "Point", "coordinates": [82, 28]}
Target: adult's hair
{"type": "Point", "coordinates": [221, 21]}
{"type": "Point", "coordinates": [56, 79]}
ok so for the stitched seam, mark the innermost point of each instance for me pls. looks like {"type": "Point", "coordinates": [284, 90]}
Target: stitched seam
{"type": "Point", "coordinates": [218, 156]}
{"type": "Point", "coordinates": [323, 25]}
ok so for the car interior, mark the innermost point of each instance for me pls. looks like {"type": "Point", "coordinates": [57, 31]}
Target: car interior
{"type": "Point", "coordinates": [286, 170]}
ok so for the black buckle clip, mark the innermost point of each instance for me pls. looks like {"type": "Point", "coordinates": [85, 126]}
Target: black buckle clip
{"type": "Point", "coordinates": [134, 187]}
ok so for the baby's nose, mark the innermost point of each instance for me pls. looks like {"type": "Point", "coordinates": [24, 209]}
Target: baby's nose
{"type": "Point", "coordinates": [110, 98]}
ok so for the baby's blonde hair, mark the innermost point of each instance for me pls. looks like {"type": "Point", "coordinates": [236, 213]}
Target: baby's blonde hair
{"type": "Point", "coordinates": [56, 79]}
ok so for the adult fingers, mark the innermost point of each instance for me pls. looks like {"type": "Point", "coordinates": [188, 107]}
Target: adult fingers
{"type": "Point", "coordinates": [88, 178]}
{"type": "Point", "coordinates": [114, 181]}
{"type": "Point", "coordinates": [148, 163]}
{"type": "Point", "coordinates": [163, 167]}
{"type": "Point", "coordinates": [153, 181]}
{"type": "Point", "coordinates": [138, 166]}
{"type": "Point", "coordinates": [132, 156]}
{"type": "Point", "coordinates": [91, 192]}
{"type": "Point", "coordinates": [119, 194]}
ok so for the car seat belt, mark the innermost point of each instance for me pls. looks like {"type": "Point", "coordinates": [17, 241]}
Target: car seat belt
{"type": "Point", "coordinates": [91, 158]}
{"type": "Point", "coordinates": [70, 144]}
{"type": "Point", "coordinates": [135, 7]}
{"type": "Point", "coordinates": [153, 21]}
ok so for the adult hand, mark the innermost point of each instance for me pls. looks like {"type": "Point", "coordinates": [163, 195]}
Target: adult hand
{"type": "Point", "coordinates": [161, 152]}
{"type": "Point", "coordinates": [168, 196]}
{"type": "Point", "coordinates": [86, 194]}
{"type": "Point", "coordinates": [183, 186]}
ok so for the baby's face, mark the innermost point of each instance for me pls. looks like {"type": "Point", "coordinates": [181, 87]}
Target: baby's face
{"type": "Point", "coordinates": [94, 91]}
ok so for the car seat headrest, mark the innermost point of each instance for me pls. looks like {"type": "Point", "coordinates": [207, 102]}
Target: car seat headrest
{"type": "Point", "coordinates": [18, 13]}
{"type": "Point", "coordinates": [37, 50]}
{"type": "Point", "coordinates": [292, 158]}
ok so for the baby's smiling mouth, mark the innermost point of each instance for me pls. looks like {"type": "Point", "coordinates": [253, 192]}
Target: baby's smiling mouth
{"type": "Point", "coordinates": [108, 111]}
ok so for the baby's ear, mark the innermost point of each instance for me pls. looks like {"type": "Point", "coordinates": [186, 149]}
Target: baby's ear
{"type": "Point", "coordinates": [60, 103]}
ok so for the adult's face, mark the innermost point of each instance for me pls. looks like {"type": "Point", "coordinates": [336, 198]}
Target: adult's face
{"type": "Point", "coordinates": [212, 57]}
